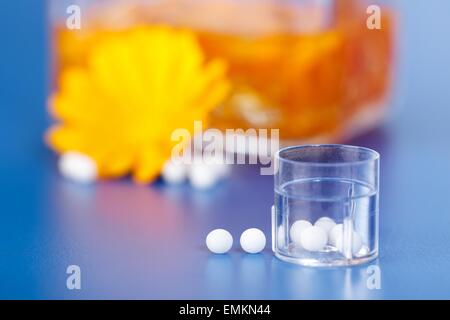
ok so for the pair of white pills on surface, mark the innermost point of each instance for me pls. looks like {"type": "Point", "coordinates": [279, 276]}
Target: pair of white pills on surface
{"type": "Point", "coordinates": [203, 175]}
{"type": "Point", "coordinates": [324, 231]}
{"type": "Point", "coordinates": [220, 241]}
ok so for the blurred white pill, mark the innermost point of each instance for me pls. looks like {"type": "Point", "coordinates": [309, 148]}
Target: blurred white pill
{"type": "Point", "coordinates": [297, 228]}
{"type": "Point", "coordinates": [174, 173]}
{"type": "Point", "coordinates": [78, 167]}
{"type": "Point", "coordinates": [356, 243]}
{"type": "Point", "coordinates": [253, 240]}
{"type": "Point", "coordinates": [218, 164]}
{"type": "Point", "coordinates": [223, 170]}
{"type": "Point", "coordinates": [219, 241]}
{"type": "Point", "coordinates": [325, 223]}
{"type": "Point", "coordinates": [202, 176]}
{"type": "Point", "coordinates": [334, 233]}
{"type": "Point", "coordinates": [313, 238]}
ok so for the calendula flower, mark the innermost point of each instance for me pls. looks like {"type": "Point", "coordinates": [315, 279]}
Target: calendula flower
{"type": "Point", "coordinates": [136, 87]}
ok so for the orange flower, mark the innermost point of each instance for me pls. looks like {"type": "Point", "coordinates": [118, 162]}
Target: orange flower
{"type": "Point", "coordinates": [136, 88]}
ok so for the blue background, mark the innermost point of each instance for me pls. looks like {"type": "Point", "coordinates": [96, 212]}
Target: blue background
{"type": "Point", "coordinates": [148, 242]}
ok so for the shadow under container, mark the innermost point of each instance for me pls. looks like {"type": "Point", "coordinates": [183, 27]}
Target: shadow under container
{"type": "Point", "coordinates": [335, 189]}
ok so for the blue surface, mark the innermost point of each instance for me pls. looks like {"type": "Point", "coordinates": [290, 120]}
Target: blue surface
{"type": "Point", "coordinates": [147, 242]}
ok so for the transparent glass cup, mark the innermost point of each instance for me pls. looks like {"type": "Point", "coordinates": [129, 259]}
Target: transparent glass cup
{"type": "Point", "coordinates": [326, 205]}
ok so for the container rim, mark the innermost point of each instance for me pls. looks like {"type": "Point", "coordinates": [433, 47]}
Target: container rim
{"type": "Point", "coordinates": [373, 155]}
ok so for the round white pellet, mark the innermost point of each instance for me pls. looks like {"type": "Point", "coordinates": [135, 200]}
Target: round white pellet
{"type": "Point", "coordinates": [223, 170]}
{"type": "Point", "coordinates": [174, 173]}
{"type": "Point", "coordinates": [334, 233]}
{"type": "Point", "coordinates": [219, 241]}
{"type": "Point", "coordinates": [363, 251]}
{"type": "Point", "coordinates": [313, 238]}
{"type": "Point", "coordinates": [356, 243]}
{"type": "Point", "coordinates": [297, 228]}
{"type": "Point", "coordinates": [202, 176]}
{"type": "Point", "coordinates": [253, 240]}
{"type": "Point", "coordinates": [325, 223]}
{"type": "Point", "coordinates": [218, 164]}
{"type": "Point", "coordinates": [77, 167]}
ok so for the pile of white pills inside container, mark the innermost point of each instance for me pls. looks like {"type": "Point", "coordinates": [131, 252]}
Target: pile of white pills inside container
{"type": "Point", "coordinates": [325, 233]}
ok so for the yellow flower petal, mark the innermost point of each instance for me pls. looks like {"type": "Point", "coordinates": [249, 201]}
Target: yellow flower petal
{"type": "Point", "coordinates": [121, 106]}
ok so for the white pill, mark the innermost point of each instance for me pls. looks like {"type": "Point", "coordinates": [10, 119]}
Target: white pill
{"type": "Point", "coordinates": [325, 223]}
{"type": "Point", "coordinates": [364, 251]}
{"type": "Point", "coordinates": [356, 243]}
{"type": "Point", "coordinates": [217, 162]}
{"type": "Point", "coordinates": [223, 170]}
{"type": "Point", "coordinates": [334, 233]}
{"type": "Point", "coordinates": [78, 167]}
{"type": "Point", "coordinates": [297, 228]}
{"type": "Point", "coordinates": [253, 240]}
{"type": "Point", "coordinates": [313, 238]}
{"type": "Point", "coordinates": [219, 241]}
{"type": "Point", "coordinates": [202, 176]}
{"type": "Point", "coordinates": [174, 173]}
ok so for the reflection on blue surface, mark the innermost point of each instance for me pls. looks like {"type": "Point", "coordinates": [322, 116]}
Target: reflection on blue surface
{"type": "Point", "coordinates": [220, 276]}
{"type": "Point", "coordinates": [254, 275]}
{"type": "Point", "coordinates": [320, 283]}
{"type": "Point", "coordinates": [148, 242]}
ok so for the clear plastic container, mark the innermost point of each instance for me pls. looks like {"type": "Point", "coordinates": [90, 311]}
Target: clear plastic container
{"type": "Point", "coordinates": [323, 182]}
